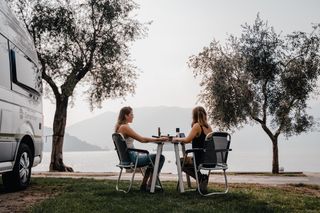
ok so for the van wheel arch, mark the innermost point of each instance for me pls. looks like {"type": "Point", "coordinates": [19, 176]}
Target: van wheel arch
{"type": "Point", "coordinates": [27, 139]}
{"type": "Point", "coordinates": [19, 178]}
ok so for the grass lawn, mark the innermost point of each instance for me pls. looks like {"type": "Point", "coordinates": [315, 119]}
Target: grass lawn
{"type": "Point", "coordinates": [88, 195]}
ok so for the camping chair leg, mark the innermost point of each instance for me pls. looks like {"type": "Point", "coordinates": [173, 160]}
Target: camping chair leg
{"type": "Point", "coordinates": [134, 170]}
{"type": "Point", "coordinates": [131, 181]}
{"type": "Point", "coordinates": [196, 174]}
{"type": "Point", "coordinates": [226, 182]}
{"type": "Point", "coordinates": [226, 187]}
{"type": "Point", "coordinates": [117, 185]}
{"type": "Point", "coordinates": [198, 183]}
{"type": "Point", "coordinates": [132, 178]}
{"type": "Point", "coordinates": [143, 172]}
{"type": "Point", "coordinates": [183, 149]}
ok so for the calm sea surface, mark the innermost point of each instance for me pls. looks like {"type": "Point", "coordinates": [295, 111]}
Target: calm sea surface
{"type": "Point", "coordinates": [105, 161]}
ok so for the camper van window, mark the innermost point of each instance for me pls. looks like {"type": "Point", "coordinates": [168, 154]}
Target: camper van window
{"type": "Point", "coordinates": [26, 73]}
{"type": "Point", "coordinates": [4, 62]}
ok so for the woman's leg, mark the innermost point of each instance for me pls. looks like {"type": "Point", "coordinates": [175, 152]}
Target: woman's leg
{"type": "Point", "coordinates": [161, 161]}
{"type": "Point", "coordinates": [146, 176]}
{"type": "Point", "coordinates": [143, 160]}
{"type": "Point", "coordinates": [188, 166]}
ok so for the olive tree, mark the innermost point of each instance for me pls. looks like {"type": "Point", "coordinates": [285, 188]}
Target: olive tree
{"type": "Point", "coordinates": [261, 77]}
{"type": "Point", "coordinates": [83, 43]}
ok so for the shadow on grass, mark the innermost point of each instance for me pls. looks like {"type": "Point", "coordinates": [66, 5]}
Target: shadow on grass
{"type": "Point", "coordinates": [87, 195]}
{"type": "Point", "coordinates": [172, 201]}
{"type": "Point", "coordinates": [4, 190]}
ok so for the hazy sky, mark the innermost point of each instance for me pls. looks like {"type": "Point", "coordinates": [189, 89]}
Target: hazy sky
{"type": "Point", "coordinates": [180, 29]}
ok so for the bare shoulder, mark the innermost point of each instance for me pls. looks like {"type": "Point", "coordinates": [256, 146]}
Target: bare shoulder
{"type": "Point", "coordinates": [207, 130]}
{"type": "Point", "coordinates": [196, 128]}
{"type": "Point", "coordinates": [123, 128]}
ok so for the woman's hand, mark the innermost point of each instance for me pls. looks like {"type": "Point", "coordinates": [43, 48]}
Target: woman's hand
{"type": "Point", "coordinates": [176, 139]}
{"type": "Point", "coordinates": [162, 139]}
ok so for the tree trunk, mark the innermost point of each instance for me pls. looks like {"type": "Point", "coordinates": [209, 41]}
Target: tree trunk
{"type": "Point", "coordinates": [59, 125]}
{"type": "Point", "coordinates": [274, 140]}
{"type": "Point", "coordinates": [275, 159]}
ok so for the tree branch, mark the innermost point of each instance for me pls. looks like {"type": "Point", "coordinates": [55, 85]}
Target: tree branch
{"type": "Point", "coordinates": [265, 103]}
{"type": "Point", "coordinates": [278, 131]}
{"type": "Point", "coordinates": [51, 83]}
{"type": "Point", "coordinates": [268, 131]}
{"type": "Point", "coordinates": [23, 17]}
{"type": "Point", "coordinates": [256, 119]}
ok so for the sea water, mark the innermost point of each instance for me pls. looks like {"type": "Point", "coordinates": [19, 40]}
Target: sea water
{"type": "Point", "coordinates": [106, 161]}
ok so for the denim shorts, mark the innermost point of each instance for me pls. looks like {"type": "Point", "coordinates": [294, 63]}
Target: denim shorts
{"type": "Point", "coordinates": [143, 159]}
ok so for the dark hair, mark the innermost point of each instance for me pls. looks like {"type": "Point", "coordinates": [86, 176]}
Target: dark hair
{"type": "Point", "coordinates": [122, 117]}
{"type": "Point", "coordinates": [199, 115]}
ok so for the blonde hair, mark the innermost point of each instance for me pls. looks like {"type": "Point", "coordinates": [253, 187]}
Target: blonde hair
{"type": "Point", "coordinates": [122, 117]}
{"type": "Point", "coordinates": [199, 115]}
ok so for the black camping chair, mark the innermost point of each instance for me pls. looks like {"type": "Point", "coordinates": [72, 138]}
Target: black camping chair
{"type": "Point", "coordinates": [125, 162]}
{"type": "Point", "coordinates": [213, 156]}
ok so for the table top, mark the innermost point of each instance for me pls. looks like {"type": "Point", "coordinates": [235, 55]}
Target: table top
{"type": "Point", "coordinates": [167, 142]}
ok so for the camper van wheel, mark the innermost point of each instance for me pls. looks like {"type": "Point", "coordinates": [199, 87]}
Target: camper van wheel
{"type": "Point", "coordinates": [19, 177]}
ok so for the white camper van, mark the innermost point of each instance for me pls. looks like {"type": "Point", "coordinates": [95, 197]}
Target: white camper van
{"type": "Point", "coordinates": [21, 118]}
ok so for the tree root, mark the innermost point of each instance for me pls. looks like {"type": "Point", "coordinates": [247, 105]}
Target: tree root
{"type": "Point", "coordinates": [60, 168]}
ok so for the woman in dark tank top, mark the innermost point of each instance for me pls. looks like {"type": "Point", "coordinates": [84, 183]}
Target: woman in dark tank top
{"type": "Point", "coordinates": [198, 142]}
{"type": "Point", "coordinates": [200, 129]}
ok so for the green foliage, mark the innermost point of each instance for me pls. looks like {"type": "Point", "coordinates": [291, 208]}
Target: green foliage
{"type": "Point", "coordinates": [87, 195]}
{"type": "Point", "coordinates": [83, 41]}
{"type": "Point", "coordinates": [260, 76]}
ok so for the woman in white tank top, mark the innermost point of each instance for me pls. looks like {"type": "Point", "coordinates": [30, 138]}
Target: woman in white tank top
{"type": "Point", "coordinates": [122, 127]}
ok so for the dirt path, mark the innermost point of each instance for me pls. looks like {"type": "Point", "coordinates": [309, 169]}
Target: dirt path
{"type": "Point", "coordinates": [21, 201]}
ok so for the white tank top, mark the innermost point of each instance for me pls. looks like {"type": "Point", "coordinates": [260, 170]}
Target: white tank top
{"type": "Point", "coordinates": [129, 141]}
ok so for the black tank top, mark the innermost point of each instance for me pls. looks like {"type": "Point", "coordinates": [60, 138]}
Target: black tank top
{"type": "Point", "coordinates": [198, 142]}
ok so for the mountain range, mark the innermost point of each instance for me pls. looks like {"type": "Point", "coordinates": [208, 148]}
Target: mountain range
{"type": "Point", "coordinates": [249, 139]}
{"type": "Point", "coordinates": [71, 143]}
{"type": "Point", "coordinates": [98, 130]}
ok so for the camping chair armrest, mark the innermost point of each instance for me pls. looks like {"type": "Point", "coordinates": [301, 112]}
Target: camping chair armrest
{"type": "Point", "coordinates": [138, 150]}
{"type": "Point", "coordinates": [194, 150]}
{"type": "Point", "coordinates": [223, 150]}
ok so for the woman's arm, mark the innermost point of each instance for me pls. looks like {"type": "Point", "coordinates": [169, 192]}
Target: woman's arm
{"type": "Point", "coordinates": [196, 129]}
{"type": "Point", "coordinates": [127, 131]}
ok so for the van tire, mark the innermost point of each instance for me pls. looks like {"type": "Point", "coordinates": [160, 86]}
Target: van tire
{"type": "Point", "coordinates": [19, 177]}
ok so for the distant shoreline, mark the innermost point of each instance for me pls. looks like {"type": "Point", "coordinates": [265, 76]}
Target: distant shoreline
{"type": "Point", "coordinates": [233, 177]}
{"type": "Point", "coordinates": [239, 163]}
